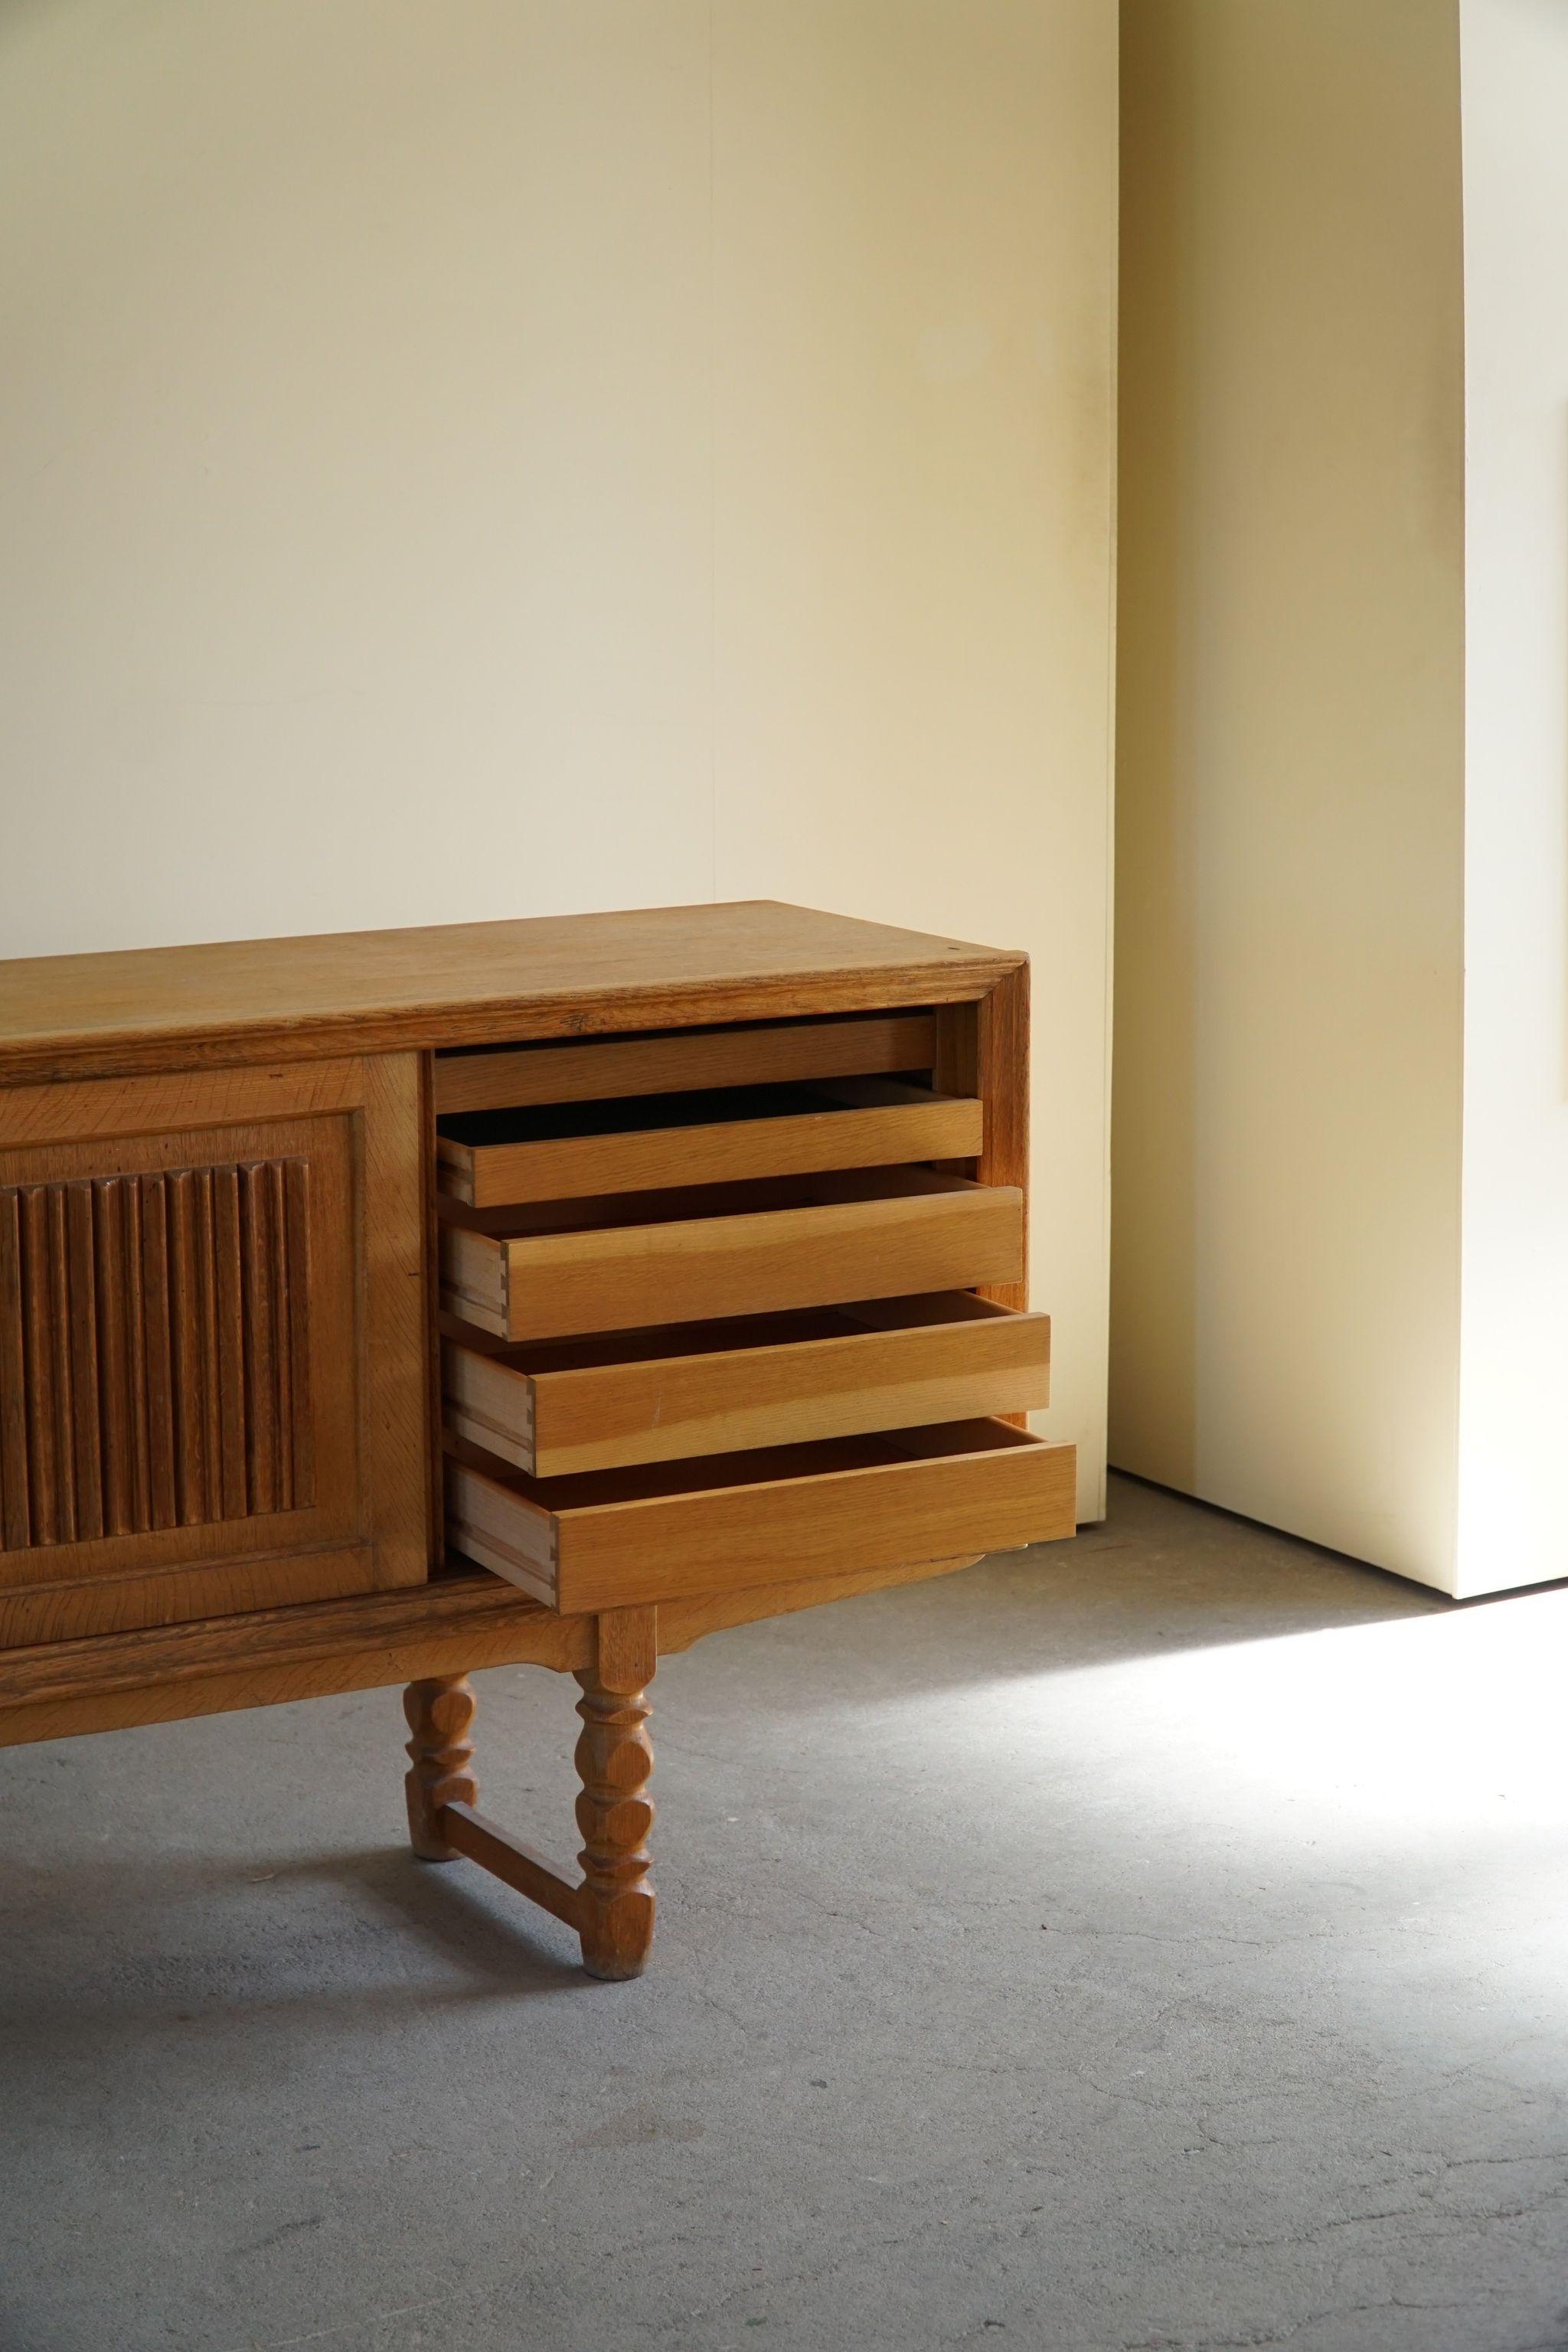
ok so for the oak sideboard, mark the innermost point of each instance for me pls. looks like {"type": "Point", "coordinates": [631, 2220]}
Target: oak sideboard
{"type": "Point", "coordinates": [378, 1308]}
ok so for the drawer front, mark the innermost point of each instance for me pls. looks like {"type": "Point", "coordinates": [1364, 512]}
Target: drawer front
{"type": "Point", "coordinates": [943, 1234]}
{"type": "Point", "coordinates": [617, 1539]}
{"type": "Point", "coordinates": [777, 1380]}
{"type": "Point", "coordinates": [859, 1044]}
{"type": "Point", "coordinates": [729, 1136]}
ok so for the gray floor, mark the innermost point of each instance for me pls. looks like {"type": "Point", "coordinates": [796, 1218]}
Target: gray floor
{"type": "Point", "coordinates": [1157, 1941]}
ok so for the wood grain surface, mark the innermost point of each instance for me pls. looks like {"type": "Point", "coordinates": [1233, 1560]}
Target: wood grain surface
{"type": "Point", "coordinates": [455, 1624]}
{"type": "Point", "coordinates": [850, 1123]}
{"type": "Point", "coordinates": [613, 1540]}
{"type": "Point", "coordinates": [907, 1235]}
{"type": "Point", "coordinates": [762, 1380]}
{"type": "Point", "coordinates": [213, 1342]}
{"type": "Point", "coordinates": [467, 983]}
{"type": "Point", "coordinates": [764, 1053]}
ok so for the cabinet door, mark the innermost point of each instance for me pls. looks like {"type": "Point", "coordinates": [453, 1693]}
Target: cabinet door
{"type": "Point", "coordinates": [212, 1357]}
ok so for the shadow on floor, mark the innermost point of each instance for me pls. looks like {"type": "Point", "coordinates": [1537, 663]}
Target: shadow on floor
{"type": "Point", "coordinates": [460, 1940]}
{"type": "Point", "coordinates": [1159, 1576]}
{"type": "Point", "coordinates": [1065, 1953]}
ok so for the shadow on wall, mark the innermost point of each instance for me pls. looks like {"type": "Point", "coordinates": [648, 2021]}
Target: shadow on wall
{"type": "Point", "coordinates": [1153, 1253]}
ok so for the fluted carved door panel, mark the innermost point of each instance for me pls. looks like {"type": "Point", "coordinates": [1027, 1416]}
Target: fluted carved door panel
{"type": "Point", "coordinates": [154, 1335]}
{"type": "Point", "coordinates": [211, 1344]}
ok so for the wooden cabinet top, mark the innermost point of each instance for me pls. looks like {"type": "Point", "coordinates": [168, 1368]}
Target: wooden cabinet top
{"type": "Point", "coordinates": [465, 984]}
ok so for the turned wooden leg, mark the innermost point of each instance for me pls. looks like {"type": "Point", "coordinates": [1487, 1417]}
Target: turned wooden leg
{"type": "Point", "coordinates": [440, 1716]}
{"type": "Point", "coordinates": [614, 1756]}
{"type": "Point", "coordinates": [611, 1909]}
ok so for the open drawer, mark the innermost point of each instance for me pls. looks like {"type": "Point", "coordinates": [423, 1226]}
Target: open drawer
{"type": "Point", "coordinates": [553, 1408]}
{"type": "Point", "coordinates": [720, 1135]}
{"type": "Point", "coordinates": [616, 1539]}
{"type": "Point", "coordinates": [713, 1252]}
{"type": "Point", "coordinates": [679, 1061]}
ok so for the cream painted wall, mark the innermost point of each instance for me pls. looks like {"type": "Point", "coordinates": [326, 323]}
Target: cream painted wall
{"type": "Point", "coordinates": [913, 527]}
{"type": "Point", "coordinates": [358, 497]}
{"type": "Point", "coordinates": [1291, 781]}
{"type": "Point", "coordinates": [1513, 1503]}
{"type": "Point", "coordinates": [556, 454]}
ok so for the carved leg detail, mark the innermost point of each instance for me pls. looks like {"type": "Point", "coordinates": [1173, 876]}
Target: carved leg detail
{"type": "Point", "coordinates": [440, 1716]}
{"type": "Point", "coordinates": [611, 1909]}
{"type": "Point", "coordinates": [615, 1814]}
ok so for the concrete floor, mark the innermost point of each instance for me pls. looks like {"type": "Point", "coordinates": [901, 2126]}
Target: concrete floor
{"type": "Point", "coordinates": [1155, 1941]}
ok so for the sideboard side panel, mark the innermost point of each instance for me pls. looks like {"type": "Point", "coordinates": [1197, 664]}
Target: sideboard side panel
{"type": "Point", "coordinates": [983, 1049]}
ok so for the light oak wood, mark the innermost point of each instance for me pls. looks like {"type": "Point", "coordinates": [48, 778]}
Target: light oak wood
{"type": "Point", "coordinates": [222, 1481]}
{"type": "Point", "coordinates": [553, 1409]}
{"type": "Point", "coordinates": [430, 1291]}
{"type": "Point", "coordinates": [133, 1596]}
{"type": "Point", "coordinates": [677, 1204]}
{"type": "Point", "coordinates": [442, 1794]}
{"type": "Point", "coordinates": [762, 1054]}
{"type": "Point", "coordinates": [901, 1233]}
{"type": "Point", "coordinates": [455, 1624]}
{"type": "Point", "coordinates": [613, 1540]}
{"type": "Point", "coordinates": [179, 1102]}
{"type": "Point", "coordinates": [396, 1318]}
{"type": "Point", "coordinates": [493, 1159]}
{"type": "Point", "coordinates": [467, 984]}
{"type": "Point", "coordinates": [516, 1865]}
{"type": "Point", "coordinates": [615, 1814]}
{"type": "Point", "coordinates": [215, 1338]}
{"type": "Point", "coordinates": [984, 1048]}
{"type": "Point", "coordinates": [1002, 1078]}
{"type": "Point", "coordinates": [612, 1907]}
{"type": "Point", "coordinates": [155, 1252]}
{"type": "Point", "coordinates": [440, 1716]}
